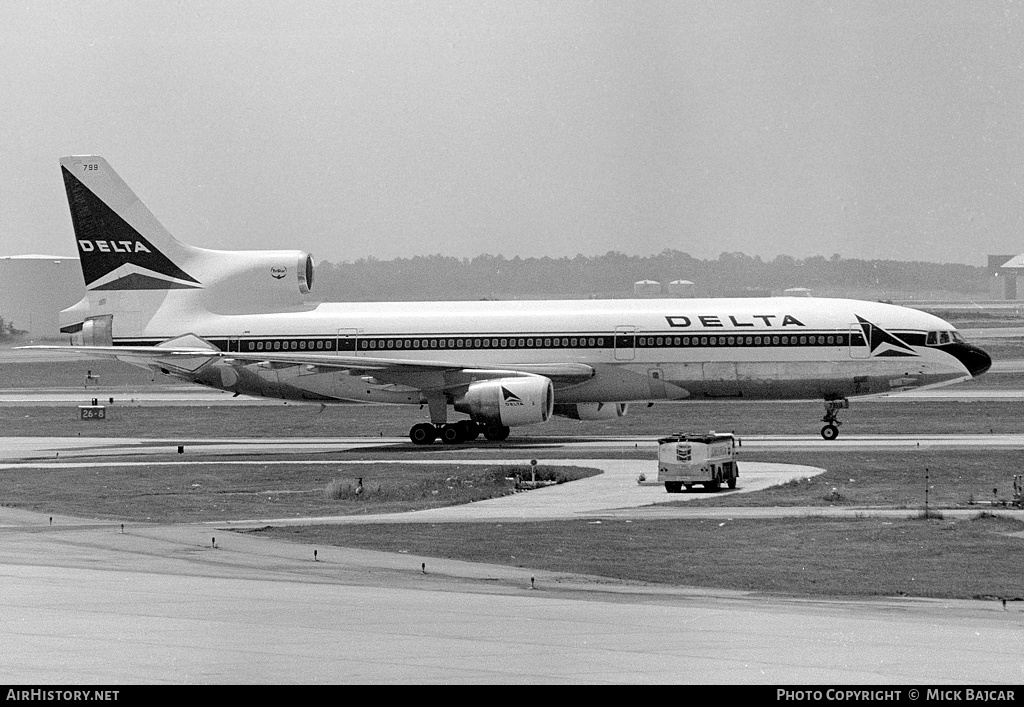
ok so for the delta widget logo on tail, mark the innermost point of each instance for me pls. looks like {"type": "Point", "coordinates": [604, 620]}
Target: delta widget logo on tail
{"type": "Point", "coordinates": [114, 255]}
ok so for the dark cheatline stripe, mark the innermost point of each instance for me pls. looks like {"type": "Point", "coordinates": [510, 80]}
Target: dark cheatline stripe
{"type": "Point", "coordinates": [390, 344]}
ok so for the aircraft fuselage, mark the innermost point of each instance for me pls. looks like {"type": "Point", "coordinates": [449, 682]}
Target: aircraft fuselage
{"type": "Point", "coordinates": [640, 350]}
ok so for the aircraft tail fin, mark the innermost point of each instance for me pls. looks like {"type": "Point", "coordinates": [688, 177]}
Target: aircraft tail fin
{"type": "Point", "coordinates": [143, 283]}
{"type": "Point", "coordinates": [121, 244]}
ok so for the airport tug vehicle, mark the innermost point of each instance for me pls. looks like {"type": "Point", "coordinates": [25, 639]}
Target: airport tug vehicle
{"type": "Point", "coordinates": [705, 459]}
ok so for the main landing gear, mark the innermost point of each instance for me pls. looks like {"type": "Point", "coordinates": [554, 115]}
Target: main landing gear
{"type": "Point", "coordinates": [832, 408]}
{"type": "Point", "coordinates": [457, 432]}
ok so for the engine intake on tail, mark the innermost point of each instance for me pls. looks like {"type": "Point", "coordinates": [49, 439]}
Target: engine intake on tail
{"type": "Point", "coordinates": [257, 281]}
{"type": "Point", "coordinates": [510, 402]}
{"type": "Point", "coordinates": [304, 269]}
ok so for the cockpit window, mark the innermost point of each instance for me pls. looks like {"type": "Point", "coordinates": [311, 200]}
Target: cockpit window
{"type": "Point", "coordinates": [938, 338]}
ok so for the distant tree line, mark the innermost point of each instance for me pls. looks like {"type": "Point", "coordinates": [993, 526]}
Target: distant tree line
{"type": "Point", "coordinates": [439, 277]}
{"type": "Point", "coordinates": [7, 330]}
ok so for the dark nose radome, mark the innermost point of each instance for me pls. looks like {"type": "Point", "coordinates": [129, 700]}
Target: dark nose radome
{"type": "Point", "coordinates": [974, 359]}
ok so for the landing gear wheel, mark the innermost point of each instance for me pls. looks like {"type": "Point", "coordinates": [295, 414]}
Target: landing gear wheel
{"type": "Point", "coordinates": [468, 429]}
{"type": "Point", "coordinates": [831, 419]}
{"type": "Point", "coordinates": [496, 433]}
{"type": "Point", "coordinates": [451, 434]}
{"type": "Point", "coordinates": [423, 433]}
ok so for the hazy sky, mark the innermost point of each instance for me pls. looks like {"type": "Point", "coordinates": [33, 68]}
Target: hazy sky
{"type": "Point", "coordinates": [374, 128]}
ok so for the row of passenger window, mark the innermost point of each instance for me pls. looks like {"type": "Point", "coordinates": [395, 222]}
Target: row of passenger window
{"type": "Point", "coordinates": [575, 342]}
{"type": "Point", "coordinates": [290, 345]}
{"type": "Point", "coordinates": [781, 340]}
{"type": "Point", "coordinates": [546, 342]}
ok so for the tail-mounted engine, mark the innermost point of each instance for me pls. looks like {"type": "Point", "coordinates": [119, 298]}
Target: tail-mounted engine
{"type": "Point", "coordinates": [257, 281]}
{"type": "Point", "coordinates": [509, 401]}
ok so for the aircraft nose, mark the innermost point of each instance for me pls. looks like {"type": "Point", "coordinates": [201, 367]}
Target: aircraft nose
{"type": "Point", "coordinates": [974, 359]}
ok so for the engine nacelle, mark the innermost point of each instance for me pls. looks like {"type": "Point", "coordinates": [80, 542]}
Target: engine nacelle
{"type": "Point", "coordinates": [591, 411]}
{"type": "Point", "coordinates": [255, 281]}
{"type": "Point", "coordinates": [304, 273]}
{"type": "Point", "coordinates": [509, 401]}
{"type": "Point", "coordinates": [94, 331]}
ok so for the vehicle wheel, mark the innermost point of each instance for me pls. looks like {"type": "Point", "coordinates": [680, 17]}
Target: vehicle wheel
{"type": "Point", "coordinates": [674, 486]}
{"type": "Point", "coordinates": [496, 433]}
{"type": "Point", "coordinates": [829, 432]}
{"type": "Point", "coordinates": [732, 482]}
{"type": "Point", "coordinates": [688, 486]}
{"type": "Point", "coordinates": [450, 434]}
{"type": "Point", "coordinates": [423, 434]}
{"type": "Point", "coordinates": [711, 485]}
{"type": "Point", "coordinates": [468, 429]}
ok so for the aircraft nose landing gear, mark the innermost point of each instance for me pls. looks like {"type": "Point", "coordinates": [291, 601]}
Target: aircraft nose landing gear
{"type": "Point", "coordinates": [832, 407]}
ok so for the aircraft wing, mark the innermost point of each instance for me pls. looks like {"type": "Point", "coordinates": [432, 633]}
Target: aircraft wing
{"type": "Point", "coordinates": [413, 372]}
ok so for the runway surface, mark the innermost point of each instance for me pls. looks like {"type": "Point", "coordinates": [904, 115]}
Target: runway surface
{"type": "Point", "coordinates": [83, 602]}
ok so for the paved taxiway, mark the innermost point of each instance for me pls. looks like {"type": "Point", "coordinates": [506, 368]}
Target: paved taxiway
{"type": "Point", "coordinates": [83, 602]}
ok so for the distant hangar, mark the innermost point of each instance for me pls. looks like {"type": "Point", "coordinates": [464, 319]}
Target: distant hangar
{"type": "Point", "coordinates": [1006, 277]}
{"type": "Point", "coordinates": [34, 288]}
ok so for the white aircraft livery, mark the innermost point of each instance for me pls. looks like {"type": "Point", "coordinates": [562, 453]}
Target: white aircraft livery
{"type": "Point", "coordinates": [241, 322]}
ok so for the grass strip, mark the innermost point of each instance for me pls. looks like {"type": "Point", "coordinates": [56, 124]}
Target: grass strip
{"type": "Point", "coordinates": [210, 491]}
{"type": "Point", "coordinates": [937, 558]}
